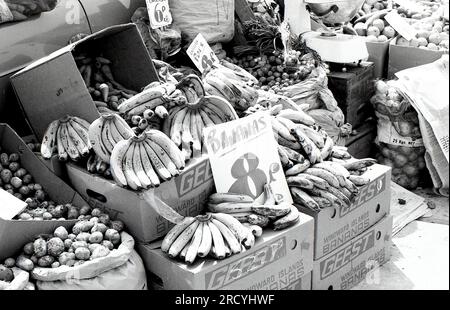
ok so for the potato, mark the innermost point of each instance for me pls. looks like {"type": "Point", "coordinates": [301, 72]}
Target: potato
{"type": "Point", "coordinates": [104, 218]}
{"type": "Point", "coordinates": [46, 261]}
{"type": "Point", "coordinates": [40, 247]}
{"type": "Point", "coordinates": [4, 159]}
{"type": "Point", "coordinates": [410, 170]}
{"type": "Point", "coordinates": [25, 217]}
{"type": "Point", "coordinates": [73, 213]}
{"type": "Point", "coordinates": [100, 227]}
{"type": "Point", "coordinates": [79, 244]}
{"type": "Point", "coordinates": [83, 236]}
{"type": "Point", "coordinates": [55, 246]}
{"type": "Point", "coordinates": [113, 236]}
{"type": "Point", "coordinates": [82, 253]}
{"type": "Point", "coordinates": [108, 244]}
{"type": "Point", "coordinates": [85, 210]}
{"type": "Point", "coordinates": [56, 265]}
{"type": "Point", "coordinates": [77, 228]}
{"type": "Point", "coordinates": [28, 249]}
{"type": "Point", "coordinates": [24, 263]}
{"type": "Point", "coordinates": [72, 237]}
{"type": "Point", "coordinates": [100, 251]}
{"type": "Point", "coordinates": [96, 212]}
{"type": "Point", "coordinates": [68, 244]}
{"type": "Point", "coordinates": [10, 262]}
{"type": "Point", "coordinates": [47, 216]}
{"type": "Point", "coordinates": [93, 246]}
{"type": "Point", "coordinates": [86, 226]}
{"type": "Point", "coordinates": [14, 157]}
{"type": "Point", "coordinates": [6, 176]}
{"type": "Point", "coordinates": [67, 259]}
{"type": "Point", "coordinates": [117, 225]}
{"type": "Point", "coordinates": [96, 237]}
{"type": "Point", "coordinates": [61, 232]}
{"type": "Point", "coordinates": [34, 259]}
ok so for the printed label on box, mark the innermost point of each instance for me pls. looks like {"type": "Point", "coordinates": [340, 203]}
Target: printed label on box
{"type": "Point", "coordinates": [244, 157]}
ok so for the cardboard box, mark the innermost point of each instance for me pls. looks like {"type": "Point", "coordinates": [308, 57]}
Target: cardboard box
{"type": "Point", "coordinates": [362, 144]}
{"type": "Point", "coordinates": [14, 234]}
{"type": "Point", "coordinates": [335, 226]}
{"type": "Point", "coordinates": [52, 87]}
{"type": "Point", "coordinates": [279, 260]}
{"type": "Point", "coordinates": [186, 194]}
{"type": "Point", "coordinates": [379, 55]}
{"type": "Point", "coordinates": [355, 261]}
{"type": "Point", "coordinates": [405, 57]}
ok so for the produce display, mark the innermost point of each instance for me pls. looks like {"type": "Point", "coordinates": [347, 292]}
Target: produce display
{"type": "Point", "coordinates": [375, 27]}
{"type": "Point", "coordinates": [253, 215]}
{"type": "Point", "coordinates": [94, 237]}
{"type": "Point", "coordinates": [432, 35]}
{"type": "Point", "coordinates": [68, 137]}
{"type": "Point", "coordinates": [217, 235]}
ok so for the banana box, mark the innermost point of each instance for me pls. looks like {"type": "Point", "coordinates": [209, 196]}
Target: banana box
{"type": "Point", "coordinates": [335, 226]}
{"type": "Point", "coordinates": [356, 261]}
{"type": "Point", "coordinates": [279, 260]}
{"type": "Point", "coordinates": [186, 194]}
{"type": "Point", "coordinates": [15, 234]}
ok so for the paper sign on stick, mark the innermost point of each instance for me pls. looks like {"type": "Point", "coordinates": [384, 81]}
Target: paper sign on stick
{"type": "Point", "coordinates": [10, 206]}
{"type": "Point", "coordinates": [202, 54]}
{"type": "Point", "coordinates": [159, 13]}
{"type": "Point", "coordinates": [244, 157]}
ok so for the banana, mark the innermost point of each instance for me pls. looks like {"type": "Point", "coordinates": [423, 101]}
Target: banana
{"type": "Point", "coordinates": [285, 161]}
{"type": "Point", "coordinates": [82, 122]}
{"type": "Point", "coordinates": [69, 145]}
{"type": "Point", "coordinates": [219, 198]}
{"type": "Point", "coordinates": [205, 245]}
{"type": "Point", "coordinates": [323, 174]}
{"type": "Point", "coordinates": [282, 131]}
{"type": "Point", "coordinates": [336, 192]}
{"type": "Point", "coordinates": [81, 147]}
{"type": "Point", "coordinates": [207, 121]}
{"type": "Point", "coordinates": [183, 252]}
{"type": "Point", "coordinates": [168, 122]}
{"type": "Point", "coordinates": [230, 207]}
{"type": "Point", "coordinates": [228, 236]}
{"type": "Point", "coordinates": [49, 142]}
{"type": "Point", "coordinates": [327, 195]}
{"type": "Point", "coordinates": [141, 98]}
{"type": "Point", "coordinates": [300, 181]}
{"type": "Point", "coordinates": [322, 202]}
{"type": "Point", "coordinates": [242, 216]}
{"type": "Point", "coordinates": [249, 242]}
{"type": "Point", "coordinates": [358, 180]}
{"type": "Point", "coordinates": [164, 158]}
{"type": "Point", "coordinates": [106, 138]}
{"type": "Point", "coordinates": [148, 168]}
{"type": "Point", "coordinates": [129, 167]}
{"type": "Point", "coordinates": [340, 153]}
{"type": "Point", "coordinates": [287, 123]}
{"type": "Point", "coordinates": [308, 146]}
{"type": "Point", "coordinates": [297, 169]}
{"type": "Point", "coordinates": [318, 182]}
{"type": "Point", "coordinates": [271, 211]}
{"type": "Point", "coordinates": [224, 106]}
{"type": "Point", "coordinates": [255, 229]}
{"type": "Point", "coordinates": [114, 132]}
{"type": "Point", "coordinates": [304, 199]}
{"type": "Point", "coordinates": [186, 136]}
{"type": "Point", "coordinates": [298, 117]}
{"type": "Point", "coordinates": [227, 250]}
{"type": "Point", "coordinates": [183, 239]}
{"type": "Point", "coordinates": [313, 135]}
{"type": "Point", "coordinates": [269, 196]}
{"type": "Point", "coordinates": [197, 144]}
{"type": "Point", "coordinates": [212, 91]}
{"type": "Point", "coordinates": [293, 156]}
{"type": "Point", "coordinates": [149, 105]}
{"type": "Point", "coordinates": [216, 118]}
{"type": "Point", "coordinates": [359, 164]}
{"type": "Point", "coordinates": [122, 127]}
{"type": "Point", "coordinates": [288, 220]}
{"type": "Point", "coordinates": [333, 170]}
{"type": "Point", "coordinates": [116, 162]}
{"type": "Point", "coordinates": [221, 86]}
{"type": "Point", "coordinates": [328, 148]}
{"type": "Point", "coordinates": [218, 242]}
{"type": "Point", "coordinates": [173, 234]}
{"type": "Point", "coordinates": [286, 143]}
{"type": "Point", "coordinates": [190, 95]}
{"type": "Point", "coordinates": [161, 112]}
{"type": "Point", "coordinates": [83, 133]}
{"type": "Point", "coordinates": [159, 167]}
{"type": "Point", "coordinates": [238, 72]}
{"type": "Point", "coordinates": [139, 168]}
{"type": "Point", "coordinates": [95, 138]}
{"type": "Point", "coordinates": [258, 220]}
{"type": "Point", "coordinates": [351, 196]}
{"type": "Point", "coordinates": [169, 147]}
{"type": "Point", "coordinates": [90, 165]}
{"type": "Point", "coordinates": [234, 225]}
{"type": "Point", "coordinates": [62, 154]}
{"type": "Point", "coordinates": [192, 251]}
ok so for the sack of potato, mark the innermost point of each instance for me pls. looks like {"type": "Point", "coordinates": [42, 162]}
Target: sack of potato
{"type": "Point", "coordinates": [399, 138]}
{"type": "Point", "coordinates": [18, 10]}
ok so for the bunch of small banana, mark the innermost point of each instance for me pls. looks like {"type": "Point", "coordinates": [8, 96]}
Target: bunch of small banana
{"type": "Point", "coordinates": [142, 162]}
{"type": "Point", "coordinates": [106, 132]}
{"type": "Point", "coordinates": [68, 137]}
{"type": "Point", "coordinates": [217, 235]}
{"type": "Point", "coordinates": [245, 210]}
{"type": "Point", "coordinates": [96, 165]}
{"type": "Point", "coordinates": [185, 123]}
{"type": "Point", "coordinates": [154, 95]}
{"type": "Point", "coordinates": [232, 86]}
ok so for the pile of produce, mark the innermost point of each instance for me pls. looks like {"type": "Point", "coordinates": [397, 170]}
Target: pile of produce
{"type": "Point", "coordinates": [423, 9]}
{"type": "Point", "coordinates": [68, 137]}
{"type": "Point", "coordinates": [217, 235]}
{"type": "Point", "coordinates": [432, 35]}
{"type": "Point", "coordinates": [106, 92]}
{"type": "Point", "coordinates": [94, 237]}
{"type": "Point", "coordinates": [402, 148]}
{"type": "Point", "coordinates": [253, 215]}
{"type": "Point", "coordinates": [142, 162]}
{"type": "Point", "coordinates": [375, 27]}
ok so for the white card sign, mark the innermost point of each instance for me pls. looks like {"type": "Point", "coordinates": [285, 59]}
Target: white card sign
{"type": "Point", "coordinates": [400, 25]}
{"type": "Point", "coordinates": [159, 13]}
{"type": "Point", "coordinates": [202, 54]}
{"type": "Point", "coordinates": [244, 157]}
{"type": "Point", "coordinates": [10, 206]}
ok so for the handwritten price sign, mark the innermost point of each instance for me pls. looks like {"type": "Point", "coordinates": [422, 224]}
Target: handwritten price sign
{"type": "Point", "coordinates": [159, 13]}
{"type": "Point", "coordinates": [201, 54]}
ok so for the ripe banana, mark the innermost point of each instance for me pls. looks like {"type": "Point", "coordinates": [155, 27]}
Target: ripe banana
{"type": "Point", "coordinates": [300, 181]}
{"type": "Point", "coordinates": [242, 217]}
{"type": "Point", "coordinates": [318, 182]}
{"type": "Point", "coordinates": [304, 199]}
{"type": "Point", "coordinates": [323, 174]}
{"type": "Point", "coordinates": [95, 138]}
{"type": "Point", "coordinates": [285, 161]}
{"type": "Point", "coordinates": [229, 198]}
{"type": "Point", "coordinates": [359, 164]}
{"type": "Point", "coordinates": [148, 167]}
{"type": "Point", "coordinates": [313, 135]}
{"type": "Point", "coordinates": [164, 158]}
{"type": "Point", "coordinates": [158, 165]}
{"type": "Point", "coordinates": [49, 142]}
{"type": "Point", "coordinates": [173, 234]}
{"type": "Point", "coordinates": [234, 225]}
{"type": "Point", "coordinates": [288, 220]}
{"type": "Point", "coordinates": [293, 156]}
{"type": "Point", "coordinates": [228, 236]}
{"type": "Point", "coordinates": [128, 168]}
{"type": "Point", "coordinates": [258, 220]}
{"type": "Point", "coordinates": [271, 211]}
{"type": "Point", "coordinates": [218, 242]}
{"type": "Point", "coordinates": [82, 148]}
{"type": "Point", "coordinates": [192, 250]}
{"type": "Point", "coordinates": [298, 117]}
{"type": "Point", "coordinates": [327, 195]}
{"type": "Point", "coordinates": [183, 239]}
{"type": "Point", "coordinates": [311, 150]}
{"type": "Point", "coordinates": [116, 162]}
{"type": "Point", "coordinates": [168, 146]}
{"type": "Point", "coordinates": [322, 202]}
{"type": "Point", "coordinates": [139, 167]}
{"type": "Point", "coordinates": [358, 180]}
{"type": "Point", "coordinates": [230, 207]}
{"type": "Point", "coordinates": [297, 169]}
{"type": "Point", "coordinates": [206, 244]}
{"type": "Point", "coordinates": [256, 230]}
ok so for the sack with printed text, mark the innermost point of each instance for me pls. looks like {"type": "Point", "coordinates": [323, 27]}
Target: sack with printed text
{"type": "Point", "coordinates": [19, 10]}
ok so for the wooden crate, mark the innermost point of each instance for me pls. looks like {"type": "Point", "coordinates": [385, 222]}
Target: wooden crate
{"type": "Point", "coordinates": [362, 145]}
{"type": "Point", "coordinates": [353, 90]}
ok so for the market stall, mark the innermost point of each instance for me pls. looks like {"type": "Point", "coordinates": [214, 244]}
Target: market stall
{"type": "Point", "coordinates": [227, 146]}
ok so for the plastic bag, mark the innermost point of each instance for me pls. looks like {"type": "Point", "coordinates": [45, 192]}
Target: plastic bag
{"type": "Point", "coordinates": [18, 10]}
{"type": "Point", "coordinates": [213, 19]}
{"type": "Point", "coordinates": [20, 282]}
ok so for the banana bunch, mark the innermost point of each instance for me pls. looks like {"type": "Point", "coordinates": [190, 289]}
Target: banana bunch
{"type": "Point", "coordinates": [150, 119]}
{"type": "Point", "coordinates": [68, 137]}
{"type": "Point", "coordinates": [256, 217]}
{"type": "Point", "coordinates": [232, 86]}
{"type": "Point", "coordinates": [105, 132]}
{"type": "Point", "coordinates": [154, 95]}
{"type": "Point", "coordinates": [185, 123]}
{"type": "Point", "coordinates": [142, 162]}
{"type": "Point", "coordinates": [217, 235]}
{"type": "Point", "coordinates": [192, 88]}
{"type": "Point", "coordinates": [96, 165]}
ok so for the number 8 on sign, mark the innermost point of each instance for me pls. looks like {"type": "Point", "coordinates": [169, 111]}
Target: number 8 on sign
{"type": "Point", "coordinates": [159, 13]}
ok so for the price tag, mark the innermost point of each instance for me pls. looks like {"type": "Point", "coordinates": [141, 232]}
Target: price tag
{"type": "Point", "coordinates": [159, 13]}
{"type": "Point", "coordinates": [10, 205]}
{"type": "Point", "coordinates": [400, 25]}
{"type": "Point", "coordinates": [201, 54]}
